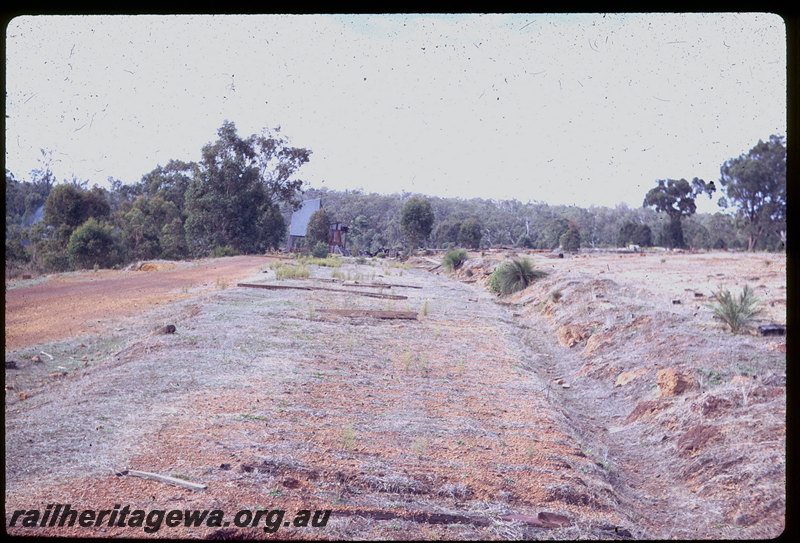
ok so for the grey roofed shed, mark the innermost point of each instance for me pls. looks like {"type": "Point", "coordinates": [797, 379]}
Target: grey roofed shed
{"type": "Point", "coordinates": [300, 217]}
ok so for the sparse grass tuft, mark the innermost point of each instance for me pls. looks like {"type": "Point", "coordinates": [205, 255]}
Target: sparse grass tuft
{"type": "Point", "coordinates": [420, 446]}
{"type": "Point", "coordinates": [290, 271]}
{"type": "Point", "coordinates": [734, 312]}
{"type": "Point", "coordinates": [348, 436]}
{"type": "Point", "coordinates": [556, 295]}
{"type": "Point", "coordinates": [453, 259]}
{"type": "Point", "coordinates": [331, 261]}
{"type": "Point", "coordinates": [513, 275]}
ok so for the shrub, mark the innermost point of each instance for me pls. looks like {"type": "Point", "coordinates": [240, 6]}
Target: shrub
{"type": "Point", "coordinates": [320, 250]}
{"type": "Point", "coordinates": [93, 243]}
{"type": "Point", "coordinates": [290, 271]}
{"type": "Point", "coordinates": [470, 233]}
{"type": "Point", "coordinates": [513, 275]}
{"type": "Point", "coordinates": [453, 259]}
{"type": "Point", "coordinates": [226, 250]}
{"type": "Point", "coordinates": [570, 240]}
{"type": "Point", "coordinates": [525, 242]}
{"type": "Point", "coordinates": [732, 311]}
{"type": "Point", "coordinates": [318, 228]}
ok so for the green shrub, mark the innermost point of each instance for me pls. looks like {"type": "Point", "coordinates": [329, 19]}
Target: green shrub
{"type": "Point", "coordinates": [226, 250]}
{"type": "Point", "coordinates": [320, 250]}
{"type": "Point", "coordinates": [453, 259]}
{"type": "Point", "coordinates": [734, 312]}
{"type": "Point", "coordinates": [93, 243]}
{"type": "Point", "coordinates": [513, 275]}
{"type": "Point", "coordinates": [570, 240]}
{"type": "Point", "coordinates": [525, 242]}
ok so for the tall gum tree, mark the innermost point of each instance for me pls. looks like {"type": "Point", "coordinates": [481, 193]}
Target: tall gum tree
{"type": "Point", "coordinates": [755, 183]}
{"type": "Point", "coordinates": [417, 220]}
{"type": "Point", "coordinates": [676, 198]}
{"type": "Point", "coordinates": [237, 187]}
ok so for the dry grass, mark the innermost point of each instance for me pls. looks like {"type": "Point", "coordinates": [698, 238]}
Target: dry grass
{"type": "Point", "coordinates": [457, 413]}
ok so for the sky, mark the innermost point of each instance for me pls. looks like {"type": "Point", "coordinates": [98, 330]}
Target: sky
{"type": "Point", "coordinates": [576, 109]}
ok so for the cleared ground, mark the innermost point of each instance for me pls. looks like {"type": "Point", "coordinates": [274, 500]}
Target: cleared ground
{"type": "Point", "coordinates": [66, 305]}
{"type": "Point", "coordinates": [476, 421]}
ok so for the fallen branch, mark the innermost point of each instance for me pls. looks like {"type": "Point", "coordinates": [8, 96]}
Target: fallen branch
{"type": "Point", "coordinates": [296, 287]}
{"type": "Point", "coordinates": [163, 478]}
{"type": "Point", "coordinates": [409, 315]}
{"type": "Point", "coordinates": [50, 356]}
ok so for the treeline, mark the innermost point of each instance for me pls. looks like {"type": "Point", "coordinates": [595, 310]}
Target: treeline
{"type": "Point", "coordinates": [374, 223]}
{"type": "Point", "coordinates": [752, 193]}
{"type": "Point", "coordinates": [231, 202]}
{"type": "Point", "coordinates": [239, 197]}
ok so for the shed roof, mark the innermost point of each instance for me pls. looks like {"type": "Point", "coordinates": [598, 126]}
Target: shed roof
{"type": "Point", "coordinates": [300, 217]}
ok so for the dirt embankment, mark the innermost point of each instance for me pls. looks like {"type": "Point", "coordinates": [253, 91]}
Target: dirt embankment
{"type": "Point", "coordinates": [690, 418]}
{"type": "Point", "coordinates": [539, 416]}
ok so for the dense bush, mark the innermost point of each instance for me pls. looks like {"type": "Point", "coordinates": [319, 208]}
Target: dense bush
{"type": "Point", "coordinates": [225, 250]}
{"type": "Point", "coordinates": [93, 244]}
{"type": "Point", "coordinates": [513, 275]}
{"type": "Point", "coordinates": [525, 242]}
{"type": "Point", "coordinates": [453, 259]}
{"type": "Point", "coordinates": [318, 229]}
{"type": "Point", "coordinates": [470, 233]}
{"type": "Point", "coordinates": [570, 240]}
{"type": "Point", "coordinates": [636, 234]}
{"type": "Point", "coordinates": [320, 250]}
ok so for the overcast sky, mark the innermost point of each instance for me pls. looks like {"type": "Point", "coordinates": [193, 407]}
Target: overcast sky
{"type": "Point", "coordinates": [584, 109]}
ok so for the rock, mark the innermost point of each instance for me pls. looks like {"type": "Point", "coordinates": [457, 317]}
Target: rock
{"type": "Point", "coordinates": [772, 330]}
{"type": "Point", "coordinates": [570, 335]}
{"type": "Point", "coordinates": [11, 365]}
{"type": "Point", "coordinates": [646, 408]}
{"type": "Point", "coordinates": [168, 329]}
{"type": "Point", "coordinates": [598, 341]}
{"type": "Point", "coordinates": [36, 359]}
{"type": "Point", "coordinates": [627, 376]}
{"type": "Point", "coordinates": [673, 383]}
